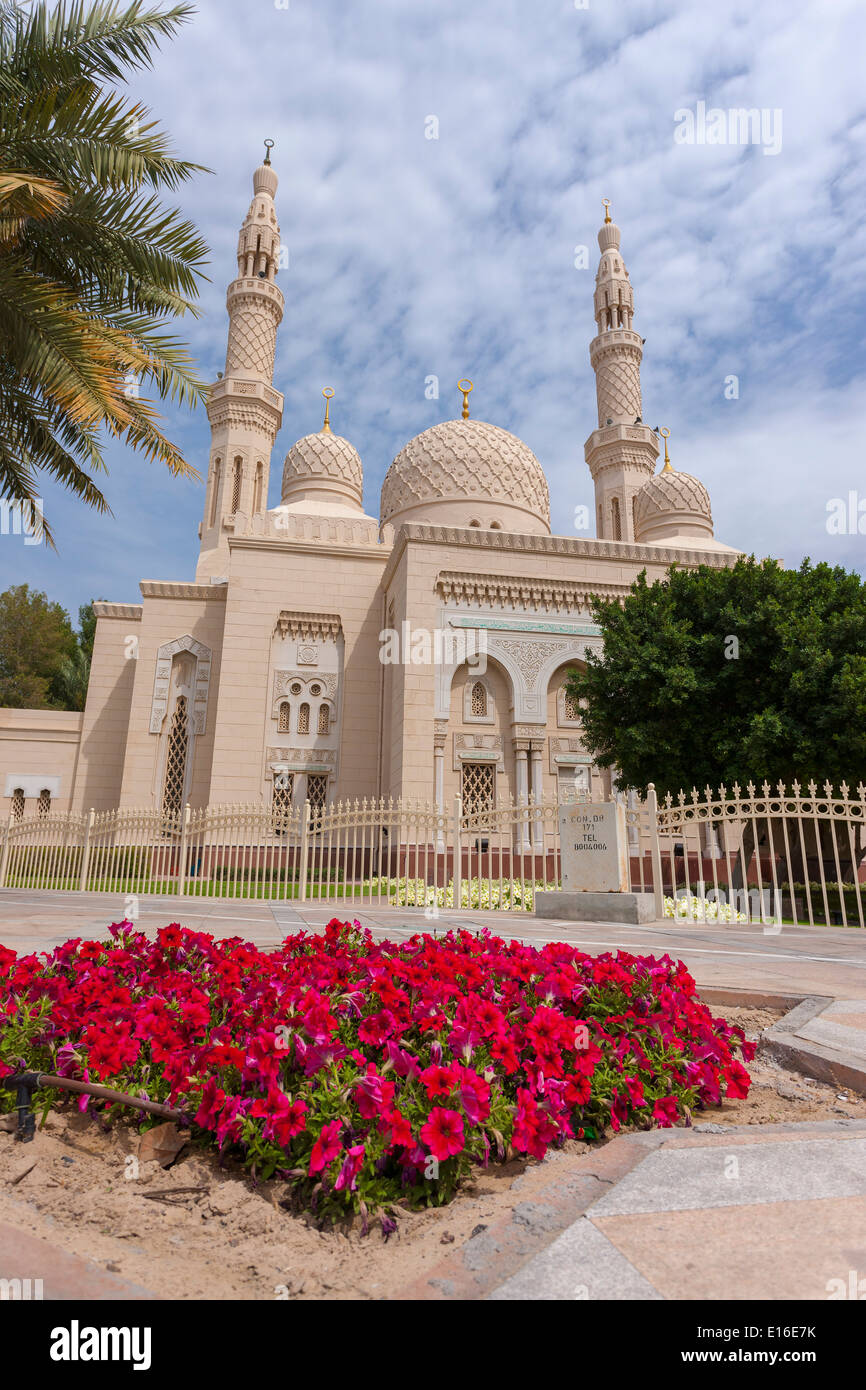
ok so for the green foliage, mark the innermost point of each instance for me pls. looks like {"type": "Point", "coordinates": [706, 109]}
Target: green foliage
{"type": "Point", "coordinates": [36, 637]}
{"type": "Point", "coordinates": [674, 701]}
{"type": "Point", "coordinates": [44, 663]}
{"type": "Point", "coordinates": [92, 263]}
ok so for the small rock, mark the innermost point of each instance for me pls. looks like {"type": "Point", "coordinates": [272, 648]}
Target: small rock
{"type": "Point", "coordinates": [113, 1266]}
{"type": "Point", "coordinates": [21, 1169]}
{"type": "Point", "coordinates": [162, 1143]}
{"type": "Point", "coordinates": [709, 1128]}
{"type": "Point", "coordinates": [446, 1238]}
{"type": "Point", "coordinates": [536, 1216]}
{"type": "Point", "coordinates": [789, 1092]}
{"type": "Point", "coordinates": [476, 1230]}
{"type": "Point", "coordinates": [8, 1124]}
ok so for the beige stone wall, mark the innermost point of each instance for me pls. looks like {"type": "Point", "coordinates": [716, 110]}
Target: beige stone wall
{"type": "Point", "coordinates": [267, 577]}
{"type": "Point", "coordinates": [106, 714]}
{"type": "Point", "coordinates": [170, 611]}
{"type": "Point", "coordinates": [38, 747]}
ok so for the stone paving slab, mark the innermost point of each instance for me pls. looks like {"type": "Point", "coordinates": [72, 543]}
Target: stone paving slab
{"type": "Point", "coordinates": [64, 1275]}
{"type": "Point", "coordinates": [582, 1263]}
{"type": "Point", "coordinates": [791, 1250]}
{"type": "Point", "coordinates": [704, 1177]}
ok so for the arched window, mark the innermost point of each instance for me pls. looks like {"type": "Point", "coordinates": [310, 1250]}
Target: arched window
{"type": "Point", "coordinates": [475, 523]}
{"type": "Point", "coordinates": [496, 525]}
{"type": "Point", "coordinates": [175, 761]}
{"type": "Point", "coordinates": [634, 517]}
{"type": "Point", "coordinates": [237, 479]}
{"type": "Point", "coordinates": [285, 711]}
{"type": "Point", "coordinates": [324, 719]}
{"type": "Point", "coordinates": [304, 719]}
{"type": "Point", "coordinates": [569, 705]}
{"type": "Point", "coordinates": [215, 494]}
{"type": "Point", "coordinates": [615, 519]}
{"type": "Point", "coordinates": [478, 701]}
{"type": "Point", "coordinates": [600, 523]}
{"type": "Point", "coordinates": [43, 806]}
{"type": "Point", "coordinates": [257, 490]}
{"type": "Point", "coordinates": [18, 803]}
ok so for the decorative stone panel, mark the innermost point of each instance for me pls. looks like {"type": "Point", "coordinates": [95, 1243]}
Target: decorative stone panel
{"type": "Point", "coordinates": [162, 679]}
{"type": "Point", "coordinates": [479, 747]}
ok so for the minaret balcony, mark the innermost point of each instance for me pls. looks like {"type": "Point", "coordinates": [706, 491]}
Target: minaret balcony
{"type": "Point", "coordinates": [615, 338]}
{"type": "Point", "coordinates": [231, 386]}
{"type": "Point", "coordinates": [608, 444]}
{"type": "Point", "coordinates": [254, 285]}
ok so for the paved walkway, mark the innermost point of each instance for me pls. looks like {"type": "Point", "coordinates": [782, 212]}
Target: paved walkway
{"type": "Point", "coordinates": [772, 1213]}
{"type": "Point", "coordinates": [776, 1212]}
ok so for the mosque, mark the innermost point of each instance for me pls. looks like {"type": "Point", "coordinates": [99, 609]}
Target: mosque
{"type": "Point", "coordinates": [263, 680]}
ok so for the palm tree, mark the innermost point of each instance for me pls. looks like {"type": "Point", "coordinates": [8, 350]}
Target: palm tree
{"type": "Point", "coordinates": [69, 686]}
{"type": "Point", "coordinates": [92, 263]}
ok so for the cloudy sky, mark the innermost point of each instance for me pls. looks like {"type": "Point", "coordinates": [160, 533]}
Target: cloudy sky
{"type": "Point", "coordinates": [456, 256]}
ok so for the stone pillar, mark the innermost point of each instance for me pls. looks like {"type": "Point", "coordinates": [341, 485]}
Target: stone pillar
{"type": "Point", "coordinates": [439, 781]}
{"type": "Point", "coordinates": [535, 750]}
{"type": "Point", "coordinates": [521, 756]}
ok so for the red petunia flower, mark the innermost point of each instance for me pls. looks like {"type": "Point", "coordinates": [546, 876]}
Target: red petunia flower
{"type": "Point", "coordinates": [326, 1147]}
{"type": "Point", "coordinates": [443, 1133]}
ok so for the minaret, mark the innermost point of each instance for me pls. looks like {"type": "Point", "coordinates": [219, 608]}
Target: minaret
{"type": "Point", "coordinates": [622, 452]}
{"type": "Point", "coordinates": [244, 410]}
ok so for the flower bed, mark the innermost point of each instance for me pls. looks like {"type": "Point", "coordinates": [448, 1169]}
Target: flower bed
{"type": "Point", "coordinates": [363, 1072]}
{"type": "Point", "coordinates": [508, 894]}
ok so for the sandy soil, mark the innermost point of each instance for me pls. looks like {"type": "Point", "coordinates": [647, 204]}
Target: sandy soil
{"type": "Point", "coordinates": [75, 1185]}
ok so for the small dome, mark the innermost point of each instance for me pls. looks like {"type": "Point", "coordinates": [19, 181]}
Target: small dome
{"type": "Point", "coordinates": [671, 504]}
{"type": "Point", "coordinates": [323, 464]}
{"type": "Point", "coordinates": [467, 473]}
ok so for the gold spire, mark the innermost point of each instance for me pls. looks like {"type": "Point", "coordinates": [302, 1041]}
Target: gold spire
{"type": "Point", "coordinates": [269, 145]}
{"type": "Point", "coordinates": [465, 385]}
{"type": "Point", "coordinates": [327, 392]}
{"type": "Point", "coordinates": [606, 205]}
{"type": "Point", "coordinates": [665, 433]}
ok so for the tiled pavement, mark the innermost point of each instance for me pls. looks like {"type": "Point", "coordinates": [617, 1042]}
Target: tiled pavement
{"type": "Point", "coordinates": [772, 1213]}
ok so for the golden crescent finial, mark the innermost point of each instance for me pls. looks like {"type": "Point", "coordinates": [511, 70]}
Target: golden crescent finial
{"type": "Point", "coordinates": [269, 145]}
{"type": "Point", "coordinates": [465, 386]}
{"type": "Point", "coordinates": [327, 392]}
{"type": "Point", "coordinates": [665, 434]}
{"type": "Point", "coordinates": [606, 205]}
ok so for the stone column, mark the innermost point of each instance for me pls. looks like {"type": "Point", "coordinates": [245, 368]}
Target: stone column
{"type": "Point", "coordinates": [521, 756]}
{"type": "Point", "coordinates": [535, 750]}
{"type": "Point", "coordinates": [439, 780]}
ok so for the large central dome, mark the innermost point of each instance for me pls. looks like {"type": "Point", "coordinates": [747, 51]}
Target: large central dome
{"type": "Point", "coordinates": [467, 473]}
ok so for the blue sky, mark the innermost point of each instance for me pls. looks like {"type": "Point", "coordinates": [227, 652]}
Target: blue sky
{"type": "Point", "coordinates": [411, 257]}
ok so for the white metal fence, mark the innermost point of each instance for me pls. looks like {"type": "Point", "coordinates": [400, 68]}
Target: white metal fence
{"type": "Point", "coordinates": [770, 856]}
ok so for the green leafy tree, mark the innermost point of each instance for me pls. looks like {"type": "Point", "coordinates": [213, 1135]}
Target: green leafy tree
{"type": "Point", "coordinates": [86, 629]}
{"type": "Point", "coordinates": [92, 263]}
{"type": "Point", "coordinates": [730, 675]}
{"type": "Point", "coordinates": [36, 637]}
{"type": "Point", "coordinates": [72, 677]}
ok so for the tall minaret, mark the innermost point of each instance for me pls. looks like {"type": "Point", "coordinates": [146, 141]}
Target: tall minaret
{"type": "Point", "coordinates": [622, 452]}
{"type": "Point", "coordinates": [244, 410]}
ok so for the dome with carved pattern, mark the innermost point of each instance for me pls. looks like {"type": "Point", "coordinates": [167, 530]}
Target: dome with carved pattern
{"type": "Point", "coordinates": [671, 504]}
{"type": "Point", "coordinates": [324, 465]}
{"type": "Point", "coordinates": [467, 473]}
